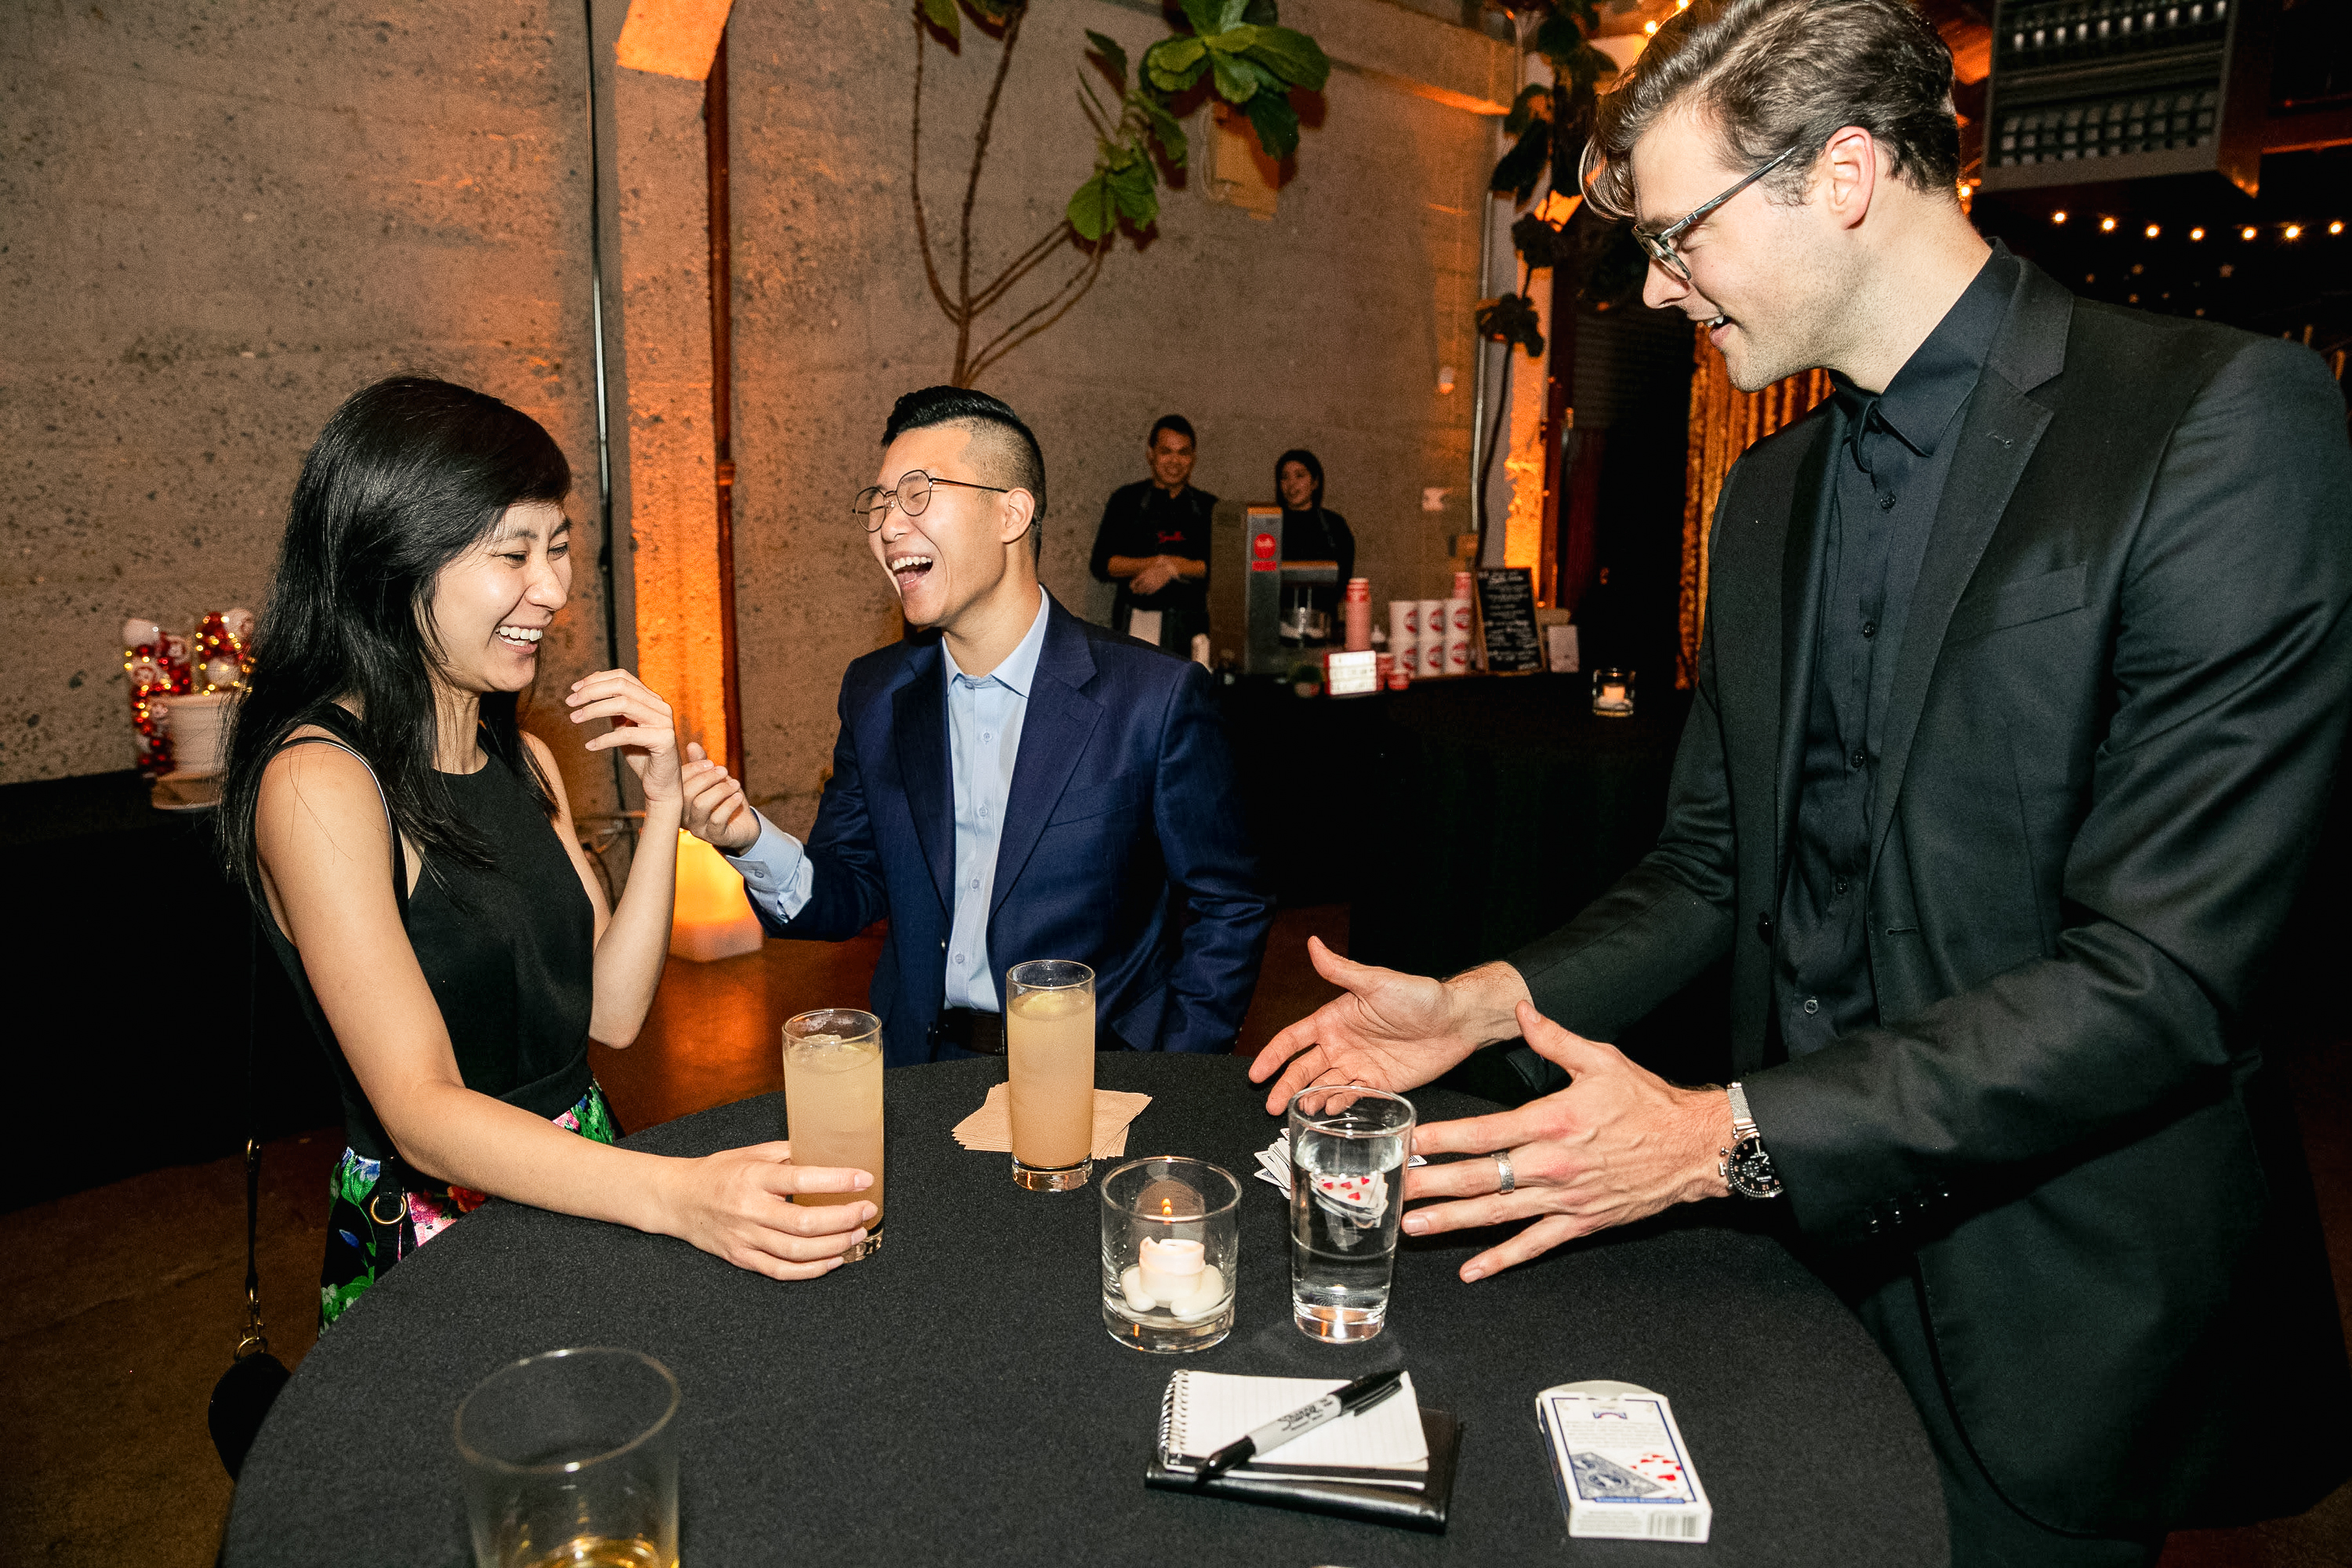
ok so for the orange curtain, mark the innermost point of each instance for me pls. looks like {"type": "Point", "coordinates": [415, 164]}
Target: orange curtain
{"type": "Point", "coordinates": [1724, 423]}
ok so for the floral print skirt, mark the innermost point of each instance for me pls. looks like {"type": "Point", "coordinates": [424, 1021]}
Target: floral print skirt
{"type": "Point", "coordinates": [368, 1228]}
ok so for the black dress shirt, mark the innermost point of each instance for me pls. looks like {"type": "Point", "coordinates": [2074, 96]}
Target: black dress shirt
{"type": "Point", "coordinates": [1141, 520]}
{"type": "Point", "coordinates": [1894, 451]}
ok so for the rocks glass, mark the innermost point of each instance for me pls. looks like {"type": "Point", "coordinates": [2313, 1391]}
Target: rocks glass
{"type": "Point", "coordinates": [572, 1457]}
{"type": "Point", "coordinates": [1170, 1241]}
{"type": "Point", "coordinates": [1049, 1048]}
{"type": "Point", "coordinates": [1347, 1151]}
{"type": "Point", "coordinates": [833, 1105]}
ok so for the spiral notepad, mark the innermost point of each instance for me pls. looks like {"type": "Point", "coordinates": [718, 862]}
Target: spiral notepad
{"type": "Point", "coordinates": [1382, 1445]}
{"type": "Point", "coordinates": [1391, 1463]}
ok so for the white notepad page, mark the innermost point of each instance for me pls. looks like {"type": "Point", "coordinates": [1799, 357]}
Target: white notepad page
{"type": "Point", "coordinates": [1211, 1409]}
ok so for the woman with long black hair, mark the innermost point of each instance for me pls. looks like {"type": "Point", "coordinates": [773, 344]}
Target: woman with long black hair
{"type": "Point", "coordinates": [1311, 531]}
{"type": "Point", "coordinates": [411, 853]}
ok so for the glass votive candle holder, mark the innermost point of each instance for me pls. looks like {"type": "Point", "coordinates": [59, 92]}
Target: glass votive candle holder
{"type": "Point", "coordinates": [572, 1457]}
{"type": "Point", "coordinates": [1612, 693]}
{"type": "Point", "coordinates": [1170, 1241]}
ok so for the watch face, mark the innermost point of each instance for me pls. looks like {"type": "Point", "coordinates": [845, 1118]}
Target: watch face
{"type": "Point", "coordinates": [1751, 1173]}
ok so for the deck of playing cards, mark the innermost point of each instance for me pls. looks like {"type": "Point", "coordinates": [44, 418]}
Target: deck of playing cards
{"type": "Point", "coordinates": [1363, 1199]}
{"type": "Point", "coordinates": [1622, 1466]}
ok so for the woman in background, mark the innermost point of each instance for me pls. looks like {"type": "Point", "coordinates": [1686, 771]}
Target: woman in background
{"type": "Point", "coordinates": [412, 853]}
{"type": "Point", "coordinates": [1310, 532]}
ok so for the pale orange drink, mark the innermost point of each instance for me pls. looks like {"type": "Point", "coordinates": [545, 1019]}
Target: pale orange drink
{"type": "Point", "coordinates": [832, 1104]}
{"type": "Point", "coordinates": [1049, 1040]}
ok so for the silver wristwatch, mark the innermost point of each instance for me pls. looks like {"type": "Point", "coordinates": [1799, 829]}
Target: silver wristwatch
{"type": "Point", "coordinates": [1744, 1167]}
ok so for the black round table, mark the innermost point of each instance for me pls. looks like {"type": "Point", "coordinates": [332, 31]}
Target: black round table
{"type": "Point", "coordinates": [955, 1399]}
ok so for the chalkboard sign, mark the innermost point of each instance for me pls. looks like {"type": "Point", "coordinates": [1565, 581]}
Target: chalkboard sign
{"type": "Point", "coordinates": [1506, 607]}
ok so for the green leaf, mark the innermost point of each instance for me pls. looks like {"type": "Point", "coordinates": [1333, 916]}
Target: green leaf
{"type": "Point", "coordinates": [1236, 85]}
{"type": "Point", "coordinates": [1135, 190]}
{"type": "Point", "coordinates": [943, 15]}
{"type": "Point", "coordinates": [1232, 41]}
{"type": "Point", "coordinates": [1275, 123]}
{"type": "Point", "coordinates": [1533, 103]}
{"type": "Point", "coordinates": [1558, 40]}
{"type": "Point", "coordinates": [1260, 14]}
{"type": "Point", "coordinates": [1511, 319]}
{"type": "Point", "coordinates": [1113, 56]}
{"type": "Point", "coordinates": [1297, 58]}
{"type": "Point", "coordinates": [1164, 125]}
{"type": "Point", "coordinates": [1540, 244]}
{"type": "Point", "coordinates": [1524, 165]}
{"type": "Point", "coordinates": [1175, 64]}
{"type": "Point", "coordinates": [1206, 15]}
{"type": "Point", "coordinates": [1094, 210]}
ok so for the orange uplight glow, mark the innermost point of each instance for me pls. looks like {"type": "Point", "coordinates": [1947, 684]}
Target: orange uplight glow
{"type": "Point", "coordinates": [2155, 229]}
{"type": "Point", "coordinates": [672, 37]}
{"type": "Point", "coordinates": [1650, 27]}
{"type": "Point", "coordinates": [2058, 217]}
{"type": "Point", "coordinates": [2196, 234]}
{"type": "Point", "coordinates": [2336, 228]}
{"type": "Point", "coordinates": [2107, 226]}
{"type": "Point", "coordinates": [711, 917]}
{"type": "Point", "coordinates": [2245, 234]}
{"type": "Point", "coordinates": [2295, 231]}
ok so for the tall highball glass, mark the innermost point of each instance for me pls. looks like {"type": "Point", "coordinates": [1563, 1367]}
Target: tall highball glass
{"type": "Point", "coordinates": [1348, 1146]}
{"type": "Point", "coordinates": [833, 1105]}
{"type": "Point", "coordinates": [1049, 1048]}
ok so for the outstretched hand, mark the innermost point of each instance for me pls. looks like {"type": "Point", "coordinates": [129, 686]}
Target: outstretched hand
{"type": "Point", "coordinates": [1392, 1031]}
{"type": "Point", "coordinates": [1618, 1144]}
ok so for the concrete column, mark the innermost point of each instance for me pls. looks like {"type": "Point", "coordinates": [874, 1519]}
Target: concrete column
{"type": "Point", "coordinates": [665, 293]}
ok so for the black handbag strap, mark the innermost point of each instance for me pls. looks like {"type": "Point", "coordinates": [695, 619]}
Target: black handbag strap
{"type": "Point", "coordinates": [254, 1342]}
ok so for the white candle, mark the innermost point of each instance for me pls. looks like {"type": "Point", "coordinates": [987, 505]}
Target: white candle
{"type": "Point", "coordinates": [1171, 1269]}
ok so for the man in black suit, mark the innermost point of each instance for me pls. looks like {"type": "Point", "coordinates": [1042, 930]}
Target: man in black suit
{"type": "Point", "coordinates": [2024, 675]}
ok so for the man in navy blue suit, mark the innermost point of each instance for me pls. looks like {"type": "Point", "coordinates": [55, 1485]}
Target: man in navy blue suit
{"type": "Point", "coordinates": [1019, 785]}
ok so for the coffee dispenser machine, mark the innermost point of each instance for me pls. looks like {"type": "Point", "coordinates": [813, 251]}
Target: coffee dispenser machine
{"type": "Point", "coordinates": [1260, 620]}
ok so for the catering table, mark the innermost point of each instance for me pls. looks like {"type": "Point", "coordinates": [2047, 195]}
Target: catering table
{"type": "Point", "coordinates": [955, 1399]}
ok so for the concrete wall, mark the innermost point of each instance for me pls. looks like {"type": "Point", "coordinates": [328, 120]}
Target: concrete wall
{"type": "Point", "coordinates": [217, 221]}
{"type": "Point", "coordinates": [1325, 327]}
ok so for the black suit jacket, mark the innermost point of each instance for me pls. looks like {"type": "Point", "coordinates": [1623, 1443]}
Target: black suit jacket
{"type": "Point", "coordinates": [2117, 708]}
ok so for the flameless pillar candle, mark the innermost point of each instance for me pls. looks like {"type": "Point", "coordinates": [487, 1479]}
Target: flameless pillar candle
{"type": "Point", "coordinates": [1171, 1269]}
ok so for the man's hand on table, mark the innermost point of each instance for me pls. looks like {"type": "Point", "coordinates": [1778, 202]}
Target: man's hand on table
{"type": "Point", "coordinates": [1391, 1030]}
{"type": "Point", "coordinates": [1618, 1144]}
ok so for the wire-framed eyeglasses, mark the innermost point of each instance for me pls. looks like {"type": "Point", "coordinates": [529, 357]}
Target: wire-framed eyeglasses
{"type": "Point", "coordinates": [912, 493]}
{"type": "Point", "coordinates": [1658, 244]}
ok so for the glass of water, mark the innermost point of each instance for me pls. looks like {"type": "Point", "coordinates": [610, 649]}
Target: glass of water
{"type": "Point", "coordinates": [1348, 1151]}
{"type": "Point", "coordinates": [571, 1459]}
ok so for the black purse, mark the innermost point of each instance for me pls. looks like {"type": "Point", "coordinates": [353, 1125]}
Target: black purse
{"type": "Point", "coordinates": [242, 1398]}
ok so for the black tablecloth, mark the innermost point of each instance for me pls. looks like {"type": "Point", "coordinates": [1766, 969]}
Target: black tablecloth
{"type": "Point", "coordinates": [955, 1399]}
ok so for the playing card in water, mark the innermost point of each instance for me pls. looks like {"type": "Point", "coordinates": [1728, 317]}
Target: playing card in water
{"type": "Point", "coordinates": [1274, 1169]}
{"type": "Point", "coordinates": [1621, 1463]}
{"type": "Point", "coordinates": [1360, 1198]}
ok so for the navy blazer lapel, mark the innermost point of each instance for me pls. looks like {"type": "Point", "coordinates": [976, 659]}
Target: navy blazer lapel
{"type": "Point", "coordinates": [1800, 608]}
{"type": "Point", "coordinates": [1997, 435]}
{"type": "Point", "coordinates": [918, 722]}
{"type": "Point", "coordinates": [1054, 734]}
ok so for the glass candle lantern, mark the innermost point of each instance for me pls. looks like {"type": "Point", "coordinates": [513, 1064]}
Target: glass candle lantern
{"type": "Point", "coordinates": [1171, 1242]}
{"type": "Point", "coordinates": [1612, 693]}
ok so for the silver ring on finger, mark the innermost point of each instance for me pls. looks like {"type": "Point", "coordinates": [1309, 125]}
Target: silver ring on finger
{"type": "Point", "coordinates": [1502, 1159]}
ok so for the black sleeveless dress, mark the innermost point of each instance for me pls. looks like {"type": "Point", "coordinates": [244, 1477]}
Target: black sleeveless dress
{"type": "Point", "coordinates": [509, 952]}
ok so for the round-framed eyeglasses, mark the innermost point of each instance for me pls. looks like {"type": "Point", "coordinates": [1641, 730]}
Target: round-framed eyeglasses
{"type": "Point", "coordinates": [1658, 243]}
{"type": "Point", "coordinates": [912, 494]}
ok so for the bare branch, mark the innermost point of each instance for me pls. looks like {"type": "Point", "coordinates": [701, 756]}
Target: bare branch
{"type": "Point", "coordinates": [922, 227]}
{"type": "Point", "coordinates": [992, 353]}
{"type": "Point", "coordinates": [979, 150]}
{"type": "Point", "coordinates": [1020, 267]}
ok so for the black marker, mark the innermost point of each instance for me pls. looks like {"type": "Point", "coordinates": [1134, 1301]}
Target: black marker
{"type": "Point", "coordinates": [1361, 1395]}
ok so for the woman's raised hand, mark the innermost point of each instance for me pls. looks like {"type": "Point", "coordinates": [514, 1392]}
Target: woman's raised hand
{"type": "Point", "coordinates": [735, 1204]}
{"type": "Point", "coordinates": [641, 728]}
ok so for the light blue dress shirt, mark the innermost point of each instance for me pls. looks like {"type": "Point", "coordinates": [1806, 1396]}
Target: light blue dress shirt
{"type": "Point", "coordinates": [985, 717]}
